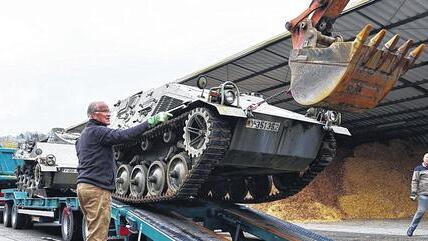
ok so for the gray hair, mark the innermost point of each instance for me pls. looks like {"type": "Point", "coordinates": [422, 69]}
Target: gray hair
{"type": "Point", "coordinates": [93, 107]}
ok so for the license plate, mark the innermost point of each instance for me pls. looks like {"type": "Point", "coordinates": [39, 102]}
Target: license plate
{"type": "Point", "coordinates": [67, 170]}
{"type": "Point", "coordinates": [262, 125]}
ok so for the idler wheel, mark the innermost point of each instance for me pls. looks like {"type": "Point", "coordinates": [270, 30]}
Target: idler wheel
{"type": "Point", "coordinates": [156, 178]}
{"type": "Point", "coordinates": [284, 181]}
{"type": "Point", "coordinates": [259, 186]}
{"type": "Point", "coordinates": [178, 169]}
{"type": "Point", "coordinates": [237, 189]}
{"type": "Point", "coordinates": [123, 180]}
{"type": "Point", "coordinates": [197, 131]}
{"type": "Point", "coordinates": [138, 181]}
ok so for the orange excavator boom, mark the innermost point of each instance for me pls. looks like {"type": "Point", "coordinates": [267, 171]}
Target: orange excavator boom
{"type": "Point", "coordinates": [343, 75]}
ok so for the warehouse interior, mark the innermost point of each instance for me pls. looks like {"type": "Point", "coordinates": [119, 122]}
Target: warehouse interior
{"type": "Point", "coordinates": [370, 178]}
{"type": "Point", "coordinates": [402, 114]}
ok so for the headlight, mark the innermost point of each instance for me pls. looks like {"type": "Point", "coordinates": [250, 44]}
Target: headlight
{"type": "Point", "coordinates": [38, 151]}
{"type": "Point", "coordinates": [229, 97]}
{"type": "Point", "coordinates": [50, 160]}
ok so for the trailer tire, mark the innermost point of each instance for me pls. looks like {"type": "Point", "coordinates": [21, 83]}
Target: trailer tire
{"type": "Point", "coordinates": [7, 211]}
{"type": "Point", "coordinates": [28, 222]}
{"type": "Point", "coordinates": [17, 219]}
{"type": "Point", "coordinates": [71, 225]}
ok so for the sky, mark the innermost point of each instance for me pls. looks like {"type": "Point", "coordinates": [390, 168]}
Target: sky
{"type": "Point", "coordinates": [58, 56]}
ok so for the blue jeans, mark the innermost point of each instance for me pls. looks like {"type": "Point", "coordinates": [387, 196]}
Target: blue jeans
{"type": "Point", "coordinates": [422, 208]}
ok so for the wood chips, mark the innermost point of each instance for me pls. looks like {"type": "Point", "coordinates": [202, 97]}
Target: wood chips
{"type": "Point", "coordinates": [372, 181]}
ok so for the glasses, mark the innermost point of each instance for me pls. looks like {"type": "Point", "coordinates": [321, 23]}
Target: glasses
{"type": "Point", "coordinates": [103, 111]}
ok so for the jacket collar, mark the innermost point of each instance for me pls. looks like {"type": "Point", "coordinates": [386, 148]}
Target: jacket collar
{"type": "Point", "coordinates": [93, 122]}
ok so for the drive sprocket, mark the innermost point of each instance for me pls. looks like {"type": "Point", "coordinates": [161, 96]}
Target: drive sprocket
{"type": "Point", "coordinates": [197, 130]}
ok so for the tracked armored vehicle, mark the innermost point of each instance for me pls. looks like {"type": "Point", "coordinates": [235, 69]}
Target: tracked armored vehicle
{"type": "Point", "coordinates": [50, 166]}
{"type": "Point", "coordinates": [220, 144]}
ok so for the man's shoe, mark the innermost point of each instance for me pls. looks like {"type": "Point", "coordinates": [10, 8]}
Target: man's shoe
{"type": "Point", "coordinates": [410, 231]}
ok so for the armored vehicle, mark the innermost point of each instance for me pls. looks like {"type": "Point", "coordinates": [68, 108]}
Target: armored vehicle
{"type": "Point", "coordinates": [50, 166]}
{"type": "Point", "coordinates": [220, 144]}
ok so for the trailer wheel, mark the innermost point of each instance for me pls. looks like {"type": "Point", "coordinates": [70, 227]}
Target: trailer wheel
{"type": "Point", "coordinates": [17, 220]}
{"type": "Point", "coordinates": [71, 225]}
{"type": "Point", "coordinates": [7, 214]}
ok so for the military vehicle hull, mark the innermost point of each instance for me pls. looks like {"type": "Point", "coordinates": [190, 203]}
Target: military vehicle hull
{"type": "Point", "coordinates": [230, 152]}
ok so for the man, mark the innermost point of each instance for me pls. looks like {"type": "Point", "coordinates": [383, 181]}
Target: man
{"type": "Point", "coordinates": [97, 168]}
{"type": "Point", "coordinates": [420, 191]}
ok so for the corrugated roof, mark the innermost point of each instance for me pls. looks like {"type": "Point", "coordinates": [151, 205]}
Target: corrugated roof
{"type": "Point", "coordinates": [402, 114]}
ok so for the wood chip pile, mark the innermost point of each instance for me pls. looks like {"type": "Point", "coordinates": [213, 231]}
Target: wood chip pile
{"type": "Point", "coordinates": [372, 182]}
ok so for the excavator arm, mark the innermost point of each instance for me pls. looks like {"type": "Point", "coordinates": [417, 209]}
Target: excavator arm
{"type": "Point", "coordinates": [353, 76]}
{"type": "Point", "coordinates": [324, 12]}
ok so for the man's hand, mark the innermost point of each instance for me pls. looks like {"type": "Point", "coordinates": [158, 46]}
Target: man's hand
{"type": "Point", "coordinates": [158, 118]}
{"type": "Point", "coordinates": [413, 196]}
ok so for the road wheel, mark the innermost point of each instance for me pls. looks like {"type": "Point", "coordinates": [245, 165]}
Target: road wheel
{"type": "Point", "coordinates": [156, 179]}
{"type": "Point", "coordinates": [71, 225]}
{"type": "Point", "coordinates": [138, 181]}
{"type": "Point", "coordinates": [177, 171]}
{"type": "Point", "coordinates": [123, 179]}
{"type": "Point", "coordinates": [17, 220]}
{"type": "Point", "coordinates": [7, 214]}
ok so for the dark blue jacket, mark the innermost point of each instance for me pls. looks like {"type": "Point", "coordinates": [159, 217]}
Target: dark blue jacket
{"type": "Point", "coordinates": [94, 151]}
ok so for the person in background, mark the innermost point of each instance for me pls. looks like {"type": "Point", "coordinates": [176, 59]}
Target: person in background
{"type": "Point", "coordinates": [419, 189]}
{"type": "Point", "coordinates": [97, 168]}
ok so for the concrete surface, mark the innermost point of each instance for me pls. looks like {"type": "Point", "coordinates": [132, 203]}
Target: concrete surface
{"type": "Point", "coordinates": [383, 230]}
{"type": "Point", "coordinates": [368, 230]}
{"type": "Point", "coordinates": [37, 233]}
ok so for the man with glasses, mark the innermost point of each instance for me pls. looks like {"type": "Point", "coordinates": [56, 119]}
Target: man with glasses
{"type": "Point", "coordinates": [97, 168]}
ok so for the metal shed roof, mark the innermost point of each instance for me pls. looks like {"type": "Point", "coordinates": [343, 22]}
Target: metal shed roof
{"type": "Point", "coordinates": [402, 114]}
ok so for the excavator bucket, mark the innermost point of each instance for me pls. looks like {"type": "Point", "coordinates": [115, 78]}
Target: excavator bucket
{"type": "Point", "coordinates": [350, 76]}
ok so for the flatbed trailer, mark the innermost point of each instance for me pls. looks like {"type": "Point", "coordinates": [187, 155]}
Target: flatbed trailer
{"type": "Point", "coordinates": [191, 220]}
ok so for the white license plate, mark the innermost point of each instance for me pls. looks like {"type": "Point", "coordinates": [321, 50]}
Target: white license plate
{"type": "Point", "coordinates": [67, 170]}
{"type": "Point", "coordinates": [263, 125]}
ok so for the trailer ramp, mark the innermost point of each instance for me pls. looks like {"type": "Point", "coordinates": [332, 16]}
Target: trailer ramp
{"type": "Point", "coordinates": [148, 222]}
{"type": "Point", "coordinates": [194, 220]}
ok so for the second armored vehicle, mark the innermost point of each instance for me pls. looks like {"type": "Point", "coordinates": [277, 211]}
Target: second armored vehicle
{"type": "Point", "coordinates": [50, 166]}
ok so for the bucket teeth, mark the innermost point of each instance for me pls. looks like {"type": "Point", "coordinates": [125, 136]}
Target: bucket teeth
{"type": "Point", "coordinates": [375, 41]}
{"type": "Point", "coordinates": [390, 45]}
{"type": "Point", "coordinates": [414, 55]}
{"type": "Point", "coordinates": [403, 49]}
{"type": "Point", "coordinates": [371, 58]}
{"type": "Point", "coordinates": [385, 61]}
{"type": "Point", "coordinates": [400, 55]}
{"type": "Point", "coordinates": [361, 38]}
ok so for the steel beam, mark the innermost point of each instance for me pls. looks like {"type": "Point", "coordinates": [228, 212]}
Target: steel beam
{"type": "Point", "coordinates": [386, 115]}
{"type": "Point", "coordinates": [261, 72]}
{"type": "Point", "coordinates": [254, 72]}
